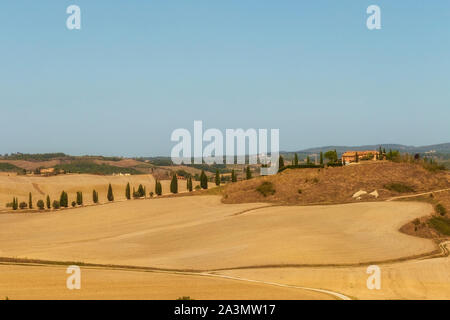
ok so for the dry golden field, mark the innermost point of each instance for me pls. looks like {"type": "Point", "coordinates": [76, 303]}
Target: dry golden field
{"type": "Point", "coordinates": [12, 185]}
{"type": "Point", "coordinates": [284, 248]}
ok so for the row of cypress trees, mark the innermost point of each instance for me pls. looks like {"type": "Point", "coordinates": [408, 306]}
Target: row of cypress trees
{"type": "Point", "coordinates": [63, 200]}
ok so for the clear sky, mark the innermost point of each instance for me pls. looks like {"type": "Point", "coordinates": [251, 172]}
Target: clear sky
{"type": "Point", "coordinates": [139, 69]}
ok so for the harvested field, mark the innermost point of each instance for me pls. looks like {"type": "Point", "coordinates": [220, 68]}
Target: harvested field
{"type": "Point", "coordinates": [201, 233]}
{"type": "Point", "coordinates": [19, 186]}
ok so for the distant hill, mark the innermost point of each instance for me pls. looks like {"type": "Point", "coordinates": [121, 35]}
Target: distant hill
{"type": "Point", "coordinates": [437, 148]}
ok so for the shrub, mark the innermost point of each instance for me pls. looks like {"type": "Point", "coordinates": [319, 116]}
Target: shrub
{"type": "Point", "coordinates": [151, 194]}
{"type": "Point", "coordinates": [23, 205]}
{"type": "Point", "coordinates": [441, 209]}
{"type": "Point", "coordinates": [266, 188]}
{"type": "Point", "coordinates": [398, 187]}
{"type": "Point", "coordinates": [441, 224]}
{"type": "Point", "coordinates": [56, 204]}
{"type": "Point", "coordinates": [185, 298]}
{"type": "Point", "coordinates": [74, 204]}
{"type": "Point", "coordinates": [197, 187]}
{"type": "Point", "coordinates": [299, 191]}
{"type": "Point", "coordinates": [40, 204]}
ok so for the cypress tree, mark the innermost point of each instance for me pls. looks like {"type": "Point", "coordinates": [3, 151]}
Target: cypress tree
{"type": "Point", "coordinates": [233, 176]}
{"type": "Point", "coordinates": [141, 191]}
{"type": "Point", "coordinates": [30, 201]}
{"type": "Point", "coordinates": [280, 162]}
{"type": "Point", "coordinates": [321, 157]}
{"type": "Point", "coordinates": [15, 204]}
{"type": "Point", "coordinates": [63, 199]}
{"type": "Point", "coordinates": [174, 184]}
{"type": "Point", "coordinates": [110, 195]}
{"type": "Point", "coordinates": [308, 161]}
{"type": "Point", "coordinates": [203, 180]}
{"type": "Point", "coordinates": [49, 204]}
{"type": "Point", "coordinates": [217, 178]}
{"type": "Point", "coordinates": [248, 173]}
{"type": "Point", "coordinates": [128, 191]}
{"type": "Point", "coordinates": [189, 184]}
{"type": "Point", "coordinates": [158, 188]}
{"type": "Point", "coordinates": [94, 196]}
{"type": "Point", "coordinates": [79, 198]}
{"type": "Point", "coordinates": [295, 160]}
{"type": "Point", "coordinates": [356, 157]}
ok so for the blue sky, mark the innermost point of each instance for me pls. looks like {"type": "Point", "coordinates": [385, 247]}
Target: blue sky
{"type": "Point", "coordinates": [140, 69]}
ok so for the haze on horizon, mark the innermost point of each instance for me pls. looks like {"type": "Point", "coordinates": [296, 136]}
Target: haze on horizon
{"type": "Point", "coordinates": [136, 71]}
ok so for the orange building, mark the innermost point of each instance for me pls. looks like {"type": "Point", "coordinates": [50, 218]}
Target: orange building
{"type": "Point", "coordinates": [350, 156]}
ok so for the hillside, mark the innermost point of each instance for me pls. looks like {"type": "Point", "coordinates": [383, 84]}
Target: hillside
{"type": "Point", "coordinates": [338, 185]}
{"type": "Point", "coordinates": [438, 148]}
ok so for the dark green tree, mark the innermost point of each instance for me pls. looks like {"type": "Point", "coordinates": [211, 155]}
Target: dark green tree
{"type": "Point", "coordinates": [280, 162]}
{"type": "Point", "coordinates": [141, 191]}
{"type": "Point", "coordinates": [248, 173]}
{"type": "Point", "coordinates": [94, 196]}
{"type": "Point", "coordinates": [174, 184]}
{"type": "Point", "coordinates": [79, 198]}
{"type": "Point", "coordinates": [308, 161]}
{"type": "Point", "coordinates": [189, 184]}
{"type": "Point", "coordinates": [233, 176]}
{"type": "Point", "coordinates": [110, 195]}
{"type": "Point", "coordinates": [56, 204]}
{"type": "Point", "coordinates": [203, 180]}
{"type": "Point", "coordinates": [128, 191]}
{"type": "Point", "coordinates": [40, 204]}
{"type": "Point", "coordinates": [321, 158]}
{"type": "Point", "coordinates": [64, 200]}
{"type": "Point", "coordinates": [295, 160]}
{"type": "Point", "coordinates": [30, 201]}
{"type": "Point", "coordinates": [217, 178]}
{"type": "Point", "coordinates": [15, 204]}
{"type": "Point", "coordinates": [158, 188]}
{"type": "Point", "coordinates": [356, 157]}
{"type": "Point", "coordinates": [49, 204]}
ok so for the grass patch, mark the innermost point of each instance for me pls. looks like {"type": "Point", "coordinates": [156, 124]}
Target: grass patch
{"type": "Point", "coordinates": [185, 298]}
{"type": "Point", "coordinates": [213, 191]}
{"type": "Point", "coordinates": [266, 188]}
{"type": "Point", "coordinates": [440, 224]}
{"type": "Point", "coordinates": [398, 187]}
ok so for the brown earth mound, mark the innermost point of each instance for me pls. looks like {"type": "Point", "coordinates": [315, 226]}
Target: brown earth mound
{"type": "Point", "coordinates": [338, 185]}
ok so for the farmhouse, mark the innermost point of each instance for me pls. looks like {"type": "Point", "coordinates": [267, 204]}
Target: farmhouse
{"type": "Point", "coordinates": [48, 171]}
{"type": "Point", "coordinates": [350, 156]}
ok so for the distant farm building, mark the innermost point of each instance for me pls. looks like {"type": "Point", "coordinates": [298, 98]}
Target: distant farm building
{"type": "Point", "coordinates": [350, 156]}
{"type": "Point", "coordinates": [47, 171]}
